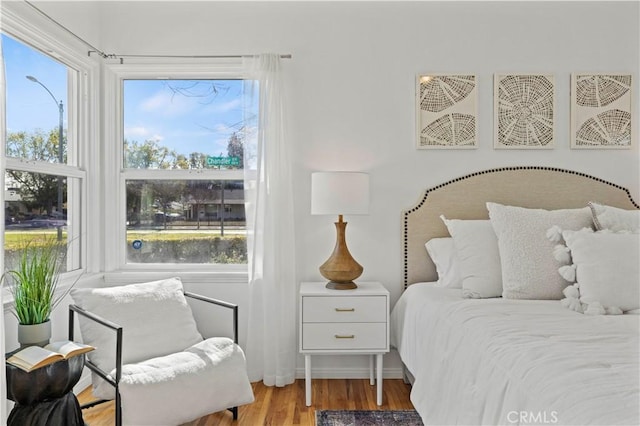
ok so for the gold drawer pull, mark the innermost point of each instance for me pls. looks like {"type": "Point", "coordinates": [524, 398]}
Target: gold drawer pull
{"type": "Point", "coordinates": [345, 309]}
{"type": "Point", "coordinates": [350, 336]}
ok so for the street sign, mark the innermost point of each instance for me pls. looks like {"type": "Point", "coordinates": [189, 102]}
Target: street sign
{"type": "Point", "coordinates": [223, 161]}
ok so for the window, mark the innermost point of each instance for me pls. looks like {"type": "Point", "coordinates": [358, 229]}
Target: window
{"type": "Point", "coordinates": [43, 179]}
{"type": "Point", "coordinates": [182, 171]}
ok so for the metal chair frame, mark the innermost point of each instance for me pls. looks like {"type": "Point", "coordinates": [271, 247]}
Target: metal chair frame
{"type": "Point", "coordinates": [119, 330]}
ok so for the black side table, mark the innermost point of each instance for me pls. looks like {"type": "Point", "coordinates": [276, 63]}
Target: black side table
{"type": "Point", "coordinates": [44, 397]}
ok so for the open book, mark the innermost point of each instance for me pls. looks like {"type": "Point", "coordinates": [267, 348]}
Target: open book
{"type": "Point", "coordinates": [33, 357]}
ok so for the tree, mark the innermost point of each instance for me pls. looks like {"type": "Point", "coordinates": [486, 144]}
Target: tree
{"type": "Point", "coordinates": [151, 155]}
{"type": "Point", "coordinates": [207, 90]}
{"type": "Point", "coordinates": [181, 162]}
{"type": "Point", "coordinates": [197, 160]}
{"type": "Point", "coordinates": [166, 192]}
{"type": "Point", "coordinates": [38, 191]}
{"type": "Point", "coordinates": [147, 155]}
{"type": "Point", "coordinates": [38, 145]}
{"type": "Point", "coordinates": [235, 148]}
{"type": "Point", "coordinates": [134, 190]}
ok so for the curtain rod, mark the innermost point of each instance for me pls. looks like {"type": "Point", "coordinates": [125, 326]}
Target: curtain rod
{"type": "Point", "coordinates": [104, 55]}
{"type": "Point", "coordinates": [122, 57]}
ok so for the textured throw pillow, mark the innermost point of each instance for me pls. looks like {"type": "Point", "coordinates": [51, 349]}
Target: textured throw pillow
{"type": "Point", "coordinates": [614, 219]}
{"type": "Point", "coordinates": [443, 254]}
{"type": "Point", "coordinates": [477, 250]}
{"type": "Point", "coordinates": [155, 317]}
{"type": "Point", "coordinates": [529, 270]}
{"type": "Point", "coordinates": [607, 271]}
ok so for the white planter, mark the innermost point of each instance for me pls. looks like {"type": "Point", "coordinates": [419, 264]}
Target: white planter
{"type": "Point", "coordinates": [34, 334]}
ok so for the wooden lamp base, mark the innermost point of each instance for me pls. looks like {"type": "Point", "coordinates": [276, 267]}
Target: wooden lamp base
{"type": "Point", "coordinates": [341, 268]}
{"type": "Point", "coordinates": [341, 286]}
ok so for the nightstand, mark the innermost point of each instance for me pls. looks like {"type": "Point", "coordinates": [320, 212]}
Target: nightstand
{"type": "Point", "coordinates": [342, 322]}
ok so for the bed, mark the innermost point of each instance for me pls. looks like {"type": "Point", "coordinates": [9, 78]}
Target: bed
{"type": "Point", "coordinates": [522, 358]}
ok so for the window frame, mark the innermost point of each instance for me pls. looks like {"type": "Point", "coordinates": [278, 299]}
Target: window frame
{"type": "Point", "coordinates": [33, 30]}
{"type": "Point", "coordinates": [178, 69]}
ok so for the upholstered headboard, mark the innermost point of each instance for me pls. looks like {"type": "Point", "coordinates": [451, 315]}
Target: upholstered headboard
{"type": "Point", "coordinates": [465, 197]}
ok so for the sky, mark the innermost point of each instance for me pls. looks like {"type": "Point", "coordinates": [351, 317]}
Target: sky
{"type": "Point", "coordinates": [186, 116]}
{"type": "Point", "coordinates": [29, 106]}
{"type": "Point", "coordinates": [189, 116]}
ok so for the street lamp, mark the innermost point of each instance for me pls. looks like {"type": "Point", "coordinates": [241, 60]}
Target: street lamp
{"type": "Point", "coordinates": [60, 147]}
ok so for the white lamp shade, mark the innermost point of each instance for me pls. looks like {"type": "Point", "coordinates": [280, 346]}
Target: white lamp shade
{"type": "Point", "coordinates": [339, 193]}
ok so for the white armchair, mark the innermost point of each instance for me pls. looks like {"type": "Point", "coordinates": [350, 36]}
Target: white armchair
{"type": "Point", "coordinates": [151, 358]}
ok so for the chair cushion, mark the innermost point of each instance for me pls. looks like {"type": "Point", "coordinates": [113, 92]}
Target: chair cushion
{"type": "Point", "coordinates": [155, 317]}
{"type": "Point", "coordinates": [177, 388]}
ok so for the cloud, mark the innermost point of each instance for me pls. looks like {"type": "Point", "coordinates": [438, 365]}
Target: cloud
{"type": "Point", "coordinates": [223, 128]}
{"type": "Point", "coordinates": [167, 105]}
{"type": "Point", "coordinates": [136, 131]}
{"type": "Point", "coordinates": [220, 145]}
{"type": "Point", "coordinates": [221, 108]}
{"type": "Point", "coordinates": [179, 133]}
{"type": "Point", "coordinates": [141, 132]}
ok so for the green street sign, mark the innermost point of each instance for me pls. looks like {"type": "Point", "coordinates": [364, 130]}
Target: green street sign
{"type": "Point", "coordinates": [223, 161]}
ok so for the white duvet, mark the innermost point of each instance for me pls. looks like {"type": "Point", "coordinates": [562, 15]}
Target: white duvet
{"type": "Point", "coordinates": [499, 361]}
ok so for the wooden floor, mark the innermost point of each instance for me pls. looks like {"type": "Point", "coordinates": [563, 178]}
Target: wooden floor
{"type": "Point", "coordinates": [285, 406]}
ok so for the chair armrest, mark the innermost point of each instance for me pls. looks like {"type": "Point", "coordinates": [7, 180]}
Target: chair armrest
{"type": "Point", "coordinates": [109, 324]}
{"type": "Point", "coordinates": [222, 303]}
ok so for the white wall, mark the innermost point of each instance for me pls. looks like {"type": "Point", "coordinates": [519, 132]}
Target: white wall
{"type": "Point", "coordinates": [351, 93]}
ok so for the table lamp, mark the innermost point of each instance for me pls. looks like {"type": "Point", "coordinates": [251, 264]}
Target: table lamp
{"type": "Point", "coordinates": [340, 193]}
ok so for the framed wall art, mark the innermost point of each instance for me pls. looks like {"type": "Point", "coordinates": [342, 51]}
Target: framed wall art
{"type": "Point", "coordinates": [601, 111]}
{"type": "Point", "coordinates": [524, 111]}
{"type": "Point", "coordinates": [446, 111]}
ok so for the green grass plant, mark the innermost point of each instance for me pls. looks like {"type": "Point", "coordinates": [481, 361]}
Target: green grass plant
{"type": "Point", "coordinates": [34, 279]}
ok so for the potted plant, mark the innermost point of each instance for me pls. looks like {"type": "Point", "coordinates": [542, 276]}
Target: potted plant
{"type": "Point", "coordinates": [33, 282]}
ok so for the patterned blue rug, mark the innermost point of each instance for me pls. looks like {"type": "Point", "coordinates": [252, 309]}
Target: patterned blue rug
{"type": "Point", "coordinates": [367, 418]}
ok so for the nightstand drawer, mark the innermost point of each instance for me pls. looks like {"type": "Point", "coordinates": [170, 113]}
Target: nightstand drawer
{"type": "Point", "coordinates": [344, 309]}
{"type": "Point", "coordinates": [345, 336]}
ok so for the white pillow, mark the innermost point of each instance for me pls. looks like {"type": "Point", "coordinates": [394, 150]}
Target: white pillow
{"type": "Point", "coordinates": [155, 317]}
{"type": "Point", "coordinates": [529, 270]}
{"type": "Point", "coordinates": [614, 219]}
{"type": "Point", "coordinates": [607, 270]}
{"type": "Point", "coordinates": [477, 250]}
{"type": "Point", "coordinates": [443, 254]}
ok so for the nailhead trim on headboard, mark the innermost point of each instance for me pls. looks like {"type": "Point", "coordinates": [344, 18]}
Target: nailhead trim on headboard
{"type": "Point", "coordinates": [500, 169]}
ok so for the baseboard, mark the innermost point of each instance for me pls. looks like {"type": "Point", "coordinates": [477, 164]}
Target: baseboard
{"type": "Point", "coordinates": [83, 383]}
{"type": "Point", "coordinates": [316, 373]}
{"type": "Point", "coordinates": [348, 373]}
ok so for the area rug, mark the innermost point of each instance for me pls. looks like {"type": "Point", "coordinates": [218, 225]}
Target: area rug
{"type": "Point", "coordinates": [367, 418]}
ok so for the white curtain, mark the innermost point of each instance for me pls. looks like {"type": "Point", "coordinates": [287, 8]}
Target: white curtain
{"type": "Point", "coordinates": [271, 337]}
{"type": "Point", "coordinates": [3, 129]}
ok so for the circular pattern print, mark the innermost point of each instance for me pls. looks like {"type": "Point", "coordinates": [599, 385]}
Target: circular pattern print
{"type": "Point", "coordinates": [438, 93]}
{"type": "Point", "coordinates": [525, 110]}
{"type": "Point", "coordinates": [609, 128]}
{"type": "Point", "coordinates": [601, 90]}
{"type": "Point", "coordinates": [450, 130]}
